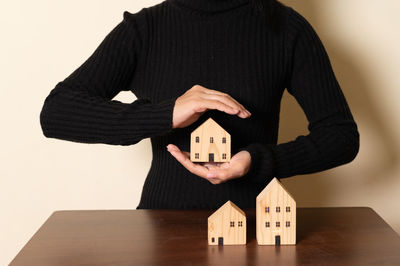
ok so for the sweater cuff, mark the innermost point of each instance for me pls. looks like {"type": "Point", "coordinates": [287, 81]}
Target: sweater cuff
{"type": "Point", "coordinates": [161, 115]}
{"type": "Point", "coordinates": [156, 119]}
{"type": "Point", "coordinates": [262, 162]}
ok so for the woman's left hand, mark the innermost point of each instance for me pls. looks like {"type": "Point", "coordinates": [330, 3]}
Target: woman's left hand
{"type": "Point", "coordinates": [214, 172]}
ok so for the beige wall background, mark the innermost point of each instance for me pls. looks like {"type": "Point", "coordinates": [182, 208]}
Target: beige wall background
{"type": "Point", "coordinates": [43, 41]}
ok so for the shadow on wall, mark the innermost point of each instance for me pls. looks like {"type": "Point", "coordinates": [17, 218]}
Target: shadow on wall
{"type": "Point", "coordinates": [317, 189]}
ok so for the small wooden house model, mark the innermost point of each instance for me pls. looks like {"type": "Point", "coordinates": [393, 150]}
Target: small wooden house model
{"type": "Point", "coordinates": [275, 216]}
{"type": "Point", "coordinates": [209, 142]}
{"type": "Point", "coordinates": [227, 226]}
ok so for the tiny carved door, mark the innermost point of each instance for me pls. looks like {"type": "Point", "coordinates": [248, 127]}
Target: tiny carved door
{"type": "Point", "coordinates": [220, 241]}
{"type": "Point", "coordinates": [211, 157]}
{"type": "Point", "coordinates": [277, 240]}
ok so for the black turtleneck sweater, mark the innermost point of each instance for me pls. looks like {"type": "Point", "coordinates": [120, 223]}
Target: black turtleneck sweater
{"type": "Point", "coordinates": [250, 49]}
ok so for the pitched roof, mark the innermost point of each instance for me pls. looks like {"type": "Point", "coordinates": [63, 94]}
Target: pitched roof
{"type": "Point", "coordinates": [272, 183]}
{"type": "Point", "coordinates": [228, 204]}
{"type": "Point", "coordinates": [210, 121]}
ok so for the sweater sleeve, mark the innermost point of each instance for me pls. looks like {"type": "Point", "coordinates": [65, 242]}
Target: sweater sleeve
{"type": "Point", "coordinates": [80, 108]}
{"type": "Point", "coordinates": [333, 137]}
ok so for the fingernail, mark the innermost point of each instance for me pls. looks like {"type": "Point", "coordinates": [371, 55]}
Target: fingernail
{"type": "Point", "coordinates": [211, 175]}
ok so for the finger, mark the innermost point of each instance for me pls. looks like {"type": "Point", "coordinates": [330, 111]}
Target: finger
{"type": "Point", "coordinates": [214, 104]}
{"type": "Point", "coordinates": [223, 94]}
{"type": "Point", "coordinates": [211, 91]}
{"type": "Point", "coordinates": [211, 165]}
{"type": "Point", "coordinates": [220, 174]}
{"type": "Point", "coordinates": [208, 166]}
{"type": "Point", "coordinates": [215, 92]}
{"type": "Point", "coordinates": [183, 158]}
{"type": "Point", "coordinates": [228, 101]}
{"type": "Point", "coordinates": [174, 147]}
{"type": "Point", "coordinates": [225, 98]}
{"type": "Point", "coordinates": [214, 181]}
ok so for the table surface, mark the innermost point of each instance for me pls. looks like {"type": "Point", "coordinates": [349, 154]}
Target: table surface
{"type": "Point", "coordinates": [325, 236]}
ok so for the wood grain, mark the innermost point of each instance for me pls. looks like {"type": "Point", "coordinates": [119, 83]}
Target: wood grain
{"type": "Point", "coordinates": [274, 196]}
{"type": "Point", "coordinates": [325, 236]}
{"type": "Point", "coordinates": [219, 225]}
{"type": "Point", "coordinates": [210, 129]}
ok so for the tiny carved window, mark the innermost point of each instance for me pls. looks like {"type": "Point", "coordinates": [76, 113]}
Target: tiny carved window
{"type": "Point", "coordinates": [223, 140]}
{"type": "Point", "coordinates": [266, 209]}
{"type": "Point", "coordinates": [278, 224]}
{"type": "Point", "coordinates": [224, 156]}
{"type": "Point", "coordinates": [278, 209]}
{"type": "Point", "coordinates": [287, 223]}
{"type": "Point", "coordinates": [240, 223]}
{"type": "Point", "coordinates": [211, 140]}
{"type": "Point", "coordinates": [288, 209]}
{"type": "Point", "coordinates": [266, 224]}
{"type": "Point", "coordinates": [196, 155]}
{"type": "Point", "coordinates": [197, 139]}
{"type": "Point", "coordinates": [232, 224]}
{"type": "Point", "coordinates": [213, 239]}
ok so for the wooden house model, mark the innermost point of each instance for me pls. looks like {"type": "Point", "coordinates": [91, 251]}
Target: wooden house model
{"type": "Point", "coordinates": [275, 216]}
{"type": "Point", "coordinates": [209, 142]}
{"type": "Point", "coordinates": [227, 226]}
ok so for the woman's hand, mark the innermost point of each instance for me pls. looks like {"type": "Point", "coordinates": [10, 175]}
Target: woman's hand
{"type": "Point", "coordinates": [197, 100]}
{"type": "Point", "coordinates": [216, 173]}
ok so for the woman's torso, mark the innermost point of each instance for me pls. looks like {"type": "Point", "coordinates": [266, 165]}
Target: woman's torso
{"type": "Point", "coordinates": [235, 53]}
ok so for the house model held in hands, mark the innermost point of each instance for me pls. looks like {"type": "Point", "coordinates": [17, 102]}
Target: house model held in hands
{"type": "Point", "coordinates": [275, 219]}
{"type": "Point", "coordinates": [275, 215]}
{"type": "Point", "coordinates": [227, 226]}
{"type": "Point", "coordinates": [209, 142]}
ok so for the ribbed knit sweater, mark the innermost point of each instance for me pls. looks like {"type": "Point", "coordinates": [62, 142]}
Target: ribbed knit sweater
{"type": "Point", "coordinates": [251, 49]}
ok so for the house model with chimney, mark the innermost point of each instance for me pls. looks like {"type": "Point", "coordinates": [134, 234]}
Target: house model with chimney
{"type": "Point", "coordinates": [275, 216]}
{"type": "Point", "coordinates": [227, 226]}
{"type": "Point", "coordinates": [209, 142]}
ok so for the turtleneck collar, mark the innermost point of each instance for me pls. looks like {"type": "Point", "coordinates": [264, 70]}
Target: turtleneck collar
{"type": "Point", "coordinates": [210, 6]}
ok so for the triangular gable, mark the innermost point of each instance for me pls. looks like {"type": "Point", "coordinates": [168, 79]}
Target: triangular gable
{"type": "Point", "coordinates": [228, 204]}
{"type": "Point", "coordinates": [236, 207]}
{"type": "Point", "coordinates": [209, 121]}
{"type": "Point", "coordinates": [273, 182]}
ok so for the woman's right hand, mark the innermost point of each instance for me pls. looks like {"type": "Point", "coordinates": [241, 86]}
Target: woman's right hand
{"type": "Point", "coordinates": [198, 99]}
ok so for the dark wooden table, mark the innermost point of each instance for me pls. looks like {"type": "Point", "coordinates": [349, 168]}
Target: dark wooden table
{"type": "Point", "coordinates": [325, 236]}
